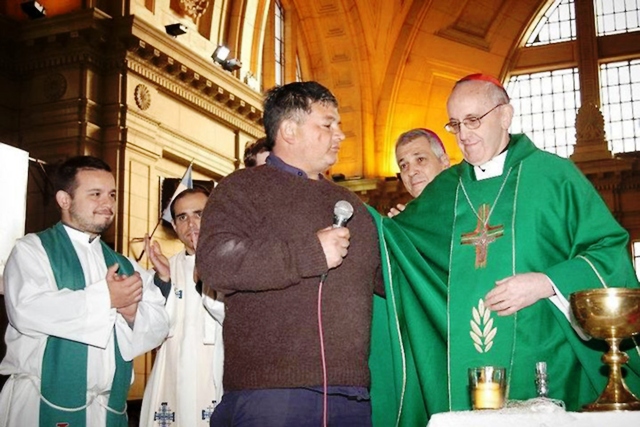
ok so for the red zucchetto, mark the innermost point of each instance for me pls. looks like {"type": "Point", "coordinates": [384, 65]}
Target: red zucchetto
{"type": "Point", "coordinates": [485, 78]}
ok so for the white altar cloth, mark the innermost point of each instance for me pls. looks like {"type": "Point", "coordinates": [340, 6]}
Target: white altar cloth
{"type": "Point", "coordinates": [547, 415]}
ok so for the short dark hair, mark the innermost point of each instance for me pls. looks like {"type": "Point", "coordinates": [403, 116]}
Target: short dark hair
{"type": "Point", "coordinates": [288, 102]}
{"type": "Point", "coordinates": [252, 150]}
{"type": "Point", "coordinates": [65, 176]}
{"type": "Point", "coordinates": [195, 190]}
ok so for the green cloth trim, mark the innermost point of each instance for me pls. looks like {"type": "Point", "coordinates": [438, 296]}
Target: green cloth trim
{"type": "Point", "coordinates": [63, 382]}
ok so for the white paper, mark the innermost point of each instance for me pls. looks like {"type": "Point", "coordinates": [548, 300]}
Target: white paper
{"type": "Point", "coordinates": [14, 170]}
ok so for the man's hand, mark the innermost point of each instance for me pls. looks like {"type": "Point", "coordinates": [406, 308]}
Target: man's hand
{"type": "Point", "coordinates": [517, 292]}
{"type": "Point", "coordinates": [335, 244]}
{"type": "Point", "coordinates": [395, 211]}
{"type": "Point", "coordinates": [158, 260]}
{"type": "Point", "coordinates": [129, 313]}
{"type": "Point", "coordinates": [123, 290]}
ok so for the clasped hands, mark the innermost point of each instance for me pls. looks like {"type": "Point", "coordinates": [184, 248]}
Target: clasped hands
{"type": "Point", "coordinates": [125, 292]}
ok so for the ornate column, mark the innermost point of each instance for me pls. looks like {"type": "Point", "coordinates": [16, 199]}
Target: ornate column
{"type": "Point", "coordinates": [591, 143]}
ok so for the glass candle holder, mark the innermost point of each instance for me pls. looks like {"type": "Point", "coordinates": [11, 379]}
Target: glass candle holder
{"type": "Point", "coordinates": [487, 386]}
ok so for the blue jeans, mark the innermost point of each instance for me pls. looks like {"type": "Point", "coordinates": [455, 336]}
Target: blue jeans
{"type": "Point", "coordinates": [293, 407]}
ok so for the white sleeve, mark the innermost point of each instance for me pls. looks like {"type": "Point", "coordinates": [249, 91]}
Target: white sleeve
{"type": "Point", "coordinates": [214, 307]}
{"type": "Point", "coordinates": [212, 328]}
{"type": "Point", "coordinates": [151, 324]}
{"type": "Point", "coordinates": [564, 306]}
{"type": "Point", "coordinates": [36, 307]}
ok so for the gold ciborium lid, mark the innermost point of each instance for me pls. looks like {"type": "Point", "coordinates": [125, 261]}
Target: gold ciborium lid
{"type": "Point", "coordinates": [610, 314]}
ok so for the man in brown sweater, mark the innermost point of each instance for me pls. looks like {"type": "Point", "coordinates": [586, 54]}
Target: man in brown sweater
{"type": "Point", "coordinates": [266, 241]}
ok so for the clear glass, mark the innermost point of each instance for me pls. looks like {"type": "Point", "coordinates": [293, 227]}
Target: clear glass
{"type": "Point", "coordinates": [542, 386]}
{"type": "Point", "coordinates": [620, 97]}
{"type": "Point", "coordinates": [636, 257]}
{"type": "Point", "coordinates": [617, 16]}
{"type": "Point", "coordinates": [545, 107]}
{"type": "Point", "coordinates": [279, 42]}
{"type": "Point", "coordinates": [487, 386]}
{"type": "Point", "coordinates": [558, 24]}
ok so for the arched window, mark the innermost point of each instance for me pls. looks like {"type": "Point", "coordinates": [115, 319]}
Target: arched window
{"type": "Point", "coordinates": [636, 258]}
{"type": "Point", "coordinates": [278, 33]}
{"type": "Point", "coordinates": [620, 84]}
{"type": "Point", "coordinates": [546, 105]}
{"type": "Point", "coordinates": [558, 24]}
{"type": "Point", "coordinates": [617, 16]}
{"type": "Point", "coordinates": [546, 99]}
{"type": "Point", "coordinates": [282, 45]}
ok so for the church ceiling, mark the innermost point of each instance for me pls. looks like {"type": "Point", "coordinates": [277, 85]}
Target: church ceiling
{"type": "Point", "coordinates": [392, 62]}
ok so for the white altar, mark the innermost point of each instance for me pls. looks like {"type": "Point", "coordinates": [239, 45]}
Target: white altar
{"type": "Point", "coordinates": [545, 415]}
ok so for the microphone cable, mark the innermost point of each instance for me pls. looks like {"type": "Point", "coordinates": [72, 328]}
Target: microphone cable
{"type": "Point", "coordinates": [322, 353]}
{"type": "Point", "coordinates": [342, 212]}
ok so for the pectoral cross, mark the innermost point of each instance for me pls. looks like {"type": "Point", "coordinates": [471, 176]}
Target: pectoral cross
{"type": "Point", "coordinates": [482, 236]}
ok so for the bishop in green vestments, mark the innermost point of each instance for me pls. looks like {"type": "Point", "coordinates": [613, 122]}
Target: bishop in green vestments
{"type": "Point", "coordinates": [480, 268]}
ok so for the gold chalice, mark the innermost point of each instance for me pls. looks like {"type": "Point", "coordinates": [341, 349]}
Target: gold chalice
{"type": "Point", "coordinates": [610, 314]}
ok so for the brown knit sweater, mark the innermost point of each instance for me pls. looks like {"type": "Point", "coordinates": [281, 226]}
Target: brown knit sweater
{"type": "Point", "coordinates": [258, 246]}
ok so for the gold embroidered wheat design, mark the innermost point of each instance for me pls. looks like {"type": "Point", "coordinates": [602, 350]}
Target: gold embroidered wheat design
{"type": "Point", "coordinates": [482, 330]}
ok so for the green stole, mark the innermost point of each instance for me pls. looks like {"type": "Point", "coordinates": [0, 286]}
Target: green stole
{"type": "Point", "coordinates": [483, 337]}
{"type": "Point", "coordinates": [64, 364]}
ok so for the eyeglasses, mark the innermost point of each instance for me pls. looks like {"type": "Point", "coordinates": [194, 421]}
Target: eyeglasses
{"type": "Point", "coordinates": [470, 122]}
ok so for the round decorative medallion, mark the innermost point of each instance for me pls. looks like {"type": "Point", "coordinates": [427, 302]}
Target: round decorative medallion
{"type": "Point", "coordinates": [142, 96]}
{"type": "Point", "coordinates": [194, 8]}
{"type": "Point", "coordinates": [54, 86]}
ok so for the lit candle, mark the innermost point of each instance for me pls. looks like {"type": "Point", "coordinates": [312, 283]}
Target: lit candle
{"type": "Point", "coordinates": [488, 396]}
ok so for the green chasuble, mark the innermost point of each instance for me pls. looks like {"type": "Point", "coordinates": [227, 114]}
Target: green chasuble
{"type": "Point", "coordinates": [64, 363]}
{"type": "Point", "coordinates": [445, 252]}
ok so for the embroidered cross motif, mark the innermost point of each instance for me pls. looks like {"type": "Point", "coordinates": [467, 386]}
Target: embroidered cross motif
{"type": "Point", "coordinates": [482, 236]}
{"type": "Point", "coordinates": [164, 416]}
{"type": "Point", "coordinates": [206, 413]}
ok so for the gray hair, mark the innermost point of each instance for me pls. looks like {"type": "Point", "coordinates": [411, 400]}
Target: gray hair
{"type": "Point", "coordinates": [434, 141]}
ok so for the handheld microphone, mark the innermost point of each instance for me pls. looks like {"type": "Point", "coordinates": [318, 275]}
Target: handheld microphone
{"type": "Point", "coordinates": [342, 213]}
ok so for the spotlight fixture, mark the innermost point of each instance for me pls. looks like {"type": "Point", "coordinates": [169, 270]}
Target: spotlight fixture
{"type": "Point", "coordinates": [220, 56]}
{"type": "Point", "coordinates": [175, 30]}
{"type": "Point", "coordinates": [232, 64]}
{"type": "Point", "coordinates": [33, 9]}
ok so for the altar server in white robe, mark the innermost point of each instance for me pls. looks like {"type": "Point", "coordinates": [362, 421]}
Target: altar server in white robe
{"type": "Point", "coordinates": [78, 312]}
{"type": "Point", "coordinates": [186, 380]}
